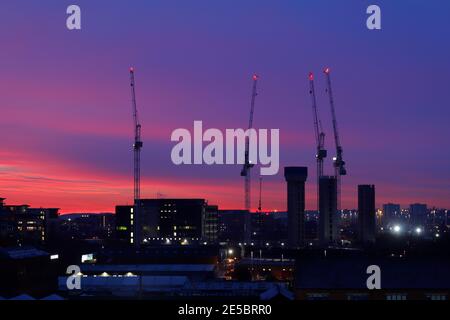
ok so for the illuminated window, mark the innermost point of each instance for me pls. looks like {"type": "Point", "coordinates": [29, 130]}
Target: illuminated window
{"type": "Point", "coordinates": [436, 296]}
{"type": "Point", "coordinates": [396, 296]}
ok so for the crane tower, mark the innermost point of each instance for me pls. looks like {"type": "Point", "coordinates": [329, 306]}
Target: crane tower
{"type": "Point", "coordinates": [321, 153]}
{"type": "Point", "coordinates": [245, 172]}
{"type": "Point", "coordinates": [137, 145]}
{"type": "Point", "coordinates": [338, 162]}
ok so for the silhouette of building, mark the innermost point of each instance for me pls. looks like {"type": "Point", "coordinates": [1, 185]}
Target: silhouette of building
{"type": "Point", "coordinates": [295, 178]}
{"type": "Point", "coordinates": [328, 215]}
{"type": "Point", "coordinates": [391, 214]}
{"type": "Point", "coordinates": [232, 225]}
{"type": "Point", "coordinates": [418, 214]}
{"type": "Point", "coordinates": [366, 213]}
{"type": "Point", "coordinates": [28, 270]}
{"type": "Point", "coordinates": [341, 275]}
{"type": "Point", "coordinates": [83, 226]}
{"type": "Point", "coordinates": [20, 224]}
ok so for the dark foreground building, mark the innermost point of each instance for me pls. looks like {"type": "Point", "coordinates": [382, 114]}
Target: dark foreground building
{"type": "Point", "coordinates": [27, 270]}
{"type": "Point", "coordinates": [342, 275]}
{"type": "Point", "coordinates": [328, 216]}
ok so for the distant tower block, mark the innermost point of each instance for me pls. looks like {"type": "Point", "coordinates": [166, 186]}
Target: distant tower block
{"type": "Point", "coordinates": [295, 178]}
{"type": "Point", "coordinates": [366, 214]}
{"type": "Point", "coordinates": [328, 215]}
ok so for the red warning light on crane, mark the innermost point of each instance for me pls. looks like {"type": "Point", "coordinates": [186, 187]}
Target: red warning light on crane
{"type": "Point", "coordinates": [311, 76]}
{"type": "Point", "coordinates": [255, 77]}
{"type": "Point", "coordinates": [327, 70]}
{"type": "Point", "coordinates": [131, 69]}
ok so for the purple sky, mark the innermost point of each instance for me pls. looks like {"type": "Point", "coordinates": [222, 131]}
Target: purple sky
{"type": "Point", "coordinates": [66, 123]}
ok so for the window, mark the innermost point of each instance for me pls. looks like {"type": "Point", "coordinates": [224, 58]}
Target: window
{"type": "Point", "coordinates": [317, 296]}
{"type": "Point", "coordinates": [396, 296]}
{"type": "Point", "coordinates": [357, 296]}
{"type": "Point", "coordinates": [436, 296]}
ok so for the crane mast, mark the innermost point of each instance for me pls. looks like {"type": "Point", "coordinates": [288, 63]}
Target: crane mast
{"type": "Point", "coordinates": [321, 153]}
{"type": "Point", "coordinates": [338, 162]}
{"type": "Point", "coordinates": [137, 164]}
{"type": "Point", "coordinates": [260, 194]}
{"type": "Point", "coordinates": [245, 172]}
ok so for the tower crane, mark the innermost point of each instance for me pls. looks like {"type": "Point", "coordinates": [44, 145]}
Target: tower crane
{"type": "Point", "coordinates": [321, 153]}
{"type": "Point", "coordinates": [137, 164]}
{"type": "Point", "coordinates": [338, 162]}
{"type": "Point", "coordinates": [260, 194]}
{"type": "Point", "coordinates": [245, 172]}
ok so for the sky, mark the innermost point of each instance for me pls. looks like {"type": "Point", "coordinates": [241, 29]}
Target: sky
{"type": "Point", "coordinates": [66, 126]}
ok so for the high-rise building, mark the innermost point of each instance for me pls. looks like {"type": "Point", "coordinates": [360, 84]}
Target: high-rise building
{"type": "Point", "coordinates": [179, 220]}
{"type": "Point", "coordinates": [366, 213]}
{"type": "Point", "coordinates": [328, 216]}
{"type": "Point", "coordinates": [418, 214]}
{"type": "Point", "coordinates": [295, 178]}
{"type": "Point", "coordinates": [391, 214]}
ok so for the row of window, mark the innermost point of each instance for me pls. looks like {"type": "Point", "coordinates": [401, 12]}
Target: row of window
{"type": "Point", "coordinates": [365, 296]}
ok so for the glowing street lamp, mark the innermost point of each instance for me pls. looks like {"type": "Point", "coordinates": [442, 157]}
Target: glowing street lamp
{"type": "Point", "coordinates": [397, 228]}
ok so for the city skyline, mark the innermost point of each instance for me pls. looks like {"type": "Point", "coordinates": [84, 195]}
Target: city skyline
{"type": "Point", "coordinates": [66, 111]}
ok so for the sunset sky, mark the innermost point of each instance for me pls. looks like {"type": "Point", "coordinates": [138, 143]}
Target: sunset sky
{"type": "Point", "coordinates": [66, 125]}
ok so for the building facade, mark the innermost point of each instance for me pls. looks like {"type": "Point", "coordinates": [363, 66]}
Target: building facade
{"type": "Point", "coordinates": [177, 220]}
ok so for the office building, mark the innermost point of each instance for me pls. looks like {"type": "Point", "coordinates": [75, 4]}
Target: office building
{"type": "Point", "coordinates": [21, 225]}
{"type": "Point", "coordinates": [174, 220]}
